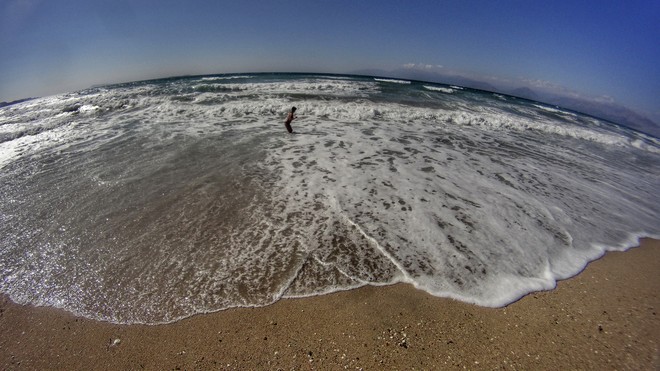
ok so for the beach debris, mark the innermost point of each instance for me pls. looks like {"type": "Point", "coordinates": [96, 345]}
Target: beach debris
{"type": "Point", "coordinates": [113, 343]}
{"type": "Point", "coordinates": [398, 337]}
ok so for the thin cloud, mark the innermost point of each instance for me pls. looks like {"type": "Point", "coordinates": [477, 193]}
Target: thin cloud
{"type": "Point", "coordinates": [422, 66]}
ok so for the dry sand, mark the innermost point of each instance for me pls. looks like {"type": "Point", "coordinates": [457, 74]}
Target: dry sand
{"type": "Point", "coordinates": [604, 318]}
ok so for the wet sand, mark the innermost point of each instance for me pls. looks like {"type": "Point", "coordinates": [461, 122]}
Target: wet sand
{"type": "Point", "coordinates": [604, 318]}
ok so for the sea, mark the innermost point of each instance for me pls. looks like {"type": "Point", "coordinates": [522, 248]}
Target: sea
{"type": "Point", "coordinates": [152, 201]}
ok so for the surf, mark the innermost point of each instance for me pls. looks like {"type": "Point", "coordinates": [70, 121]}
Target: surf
{"type": "Point", "coordinates": [153, 201]}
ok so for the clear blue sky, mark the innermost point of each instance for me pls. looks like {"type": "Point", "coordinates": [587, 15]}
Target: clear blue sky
{"type": "Point", "coordinates": [597, 48]}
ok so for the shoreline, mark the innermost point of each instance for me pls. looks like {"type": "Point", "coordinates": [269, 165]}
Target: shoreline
{"type": "Point", "coordinates": [605, 317]}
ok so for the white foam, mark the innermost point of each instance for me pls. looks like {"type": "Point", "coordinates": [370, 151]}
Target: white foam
{"type": "Point", "coordinates": [222, 78]}
{"type": "Point", "coordinates": [463, 200]}
{"type": "Point", "coordinates": [308, 86]}
{"type": "Point", "coordinates": [440, 89]}
{"type": "Point", "coordinates": [554, 110]}
{"type": "Point", "coordinates": [393, 81]}
{"type": "Point", "coordinates": [506, 224]}
{"type": "Point", "coordinates": [645, 146]}
{"type": "Point", "coordinates": [489, 202]}
{"type": "Point", "coordinates": [88, 108]}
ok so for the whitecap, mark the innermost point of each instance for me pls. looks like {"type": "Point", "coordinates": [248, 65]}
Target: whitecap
{"type": "Point", "coordinates": [438, 88]}
{"type": "Point", "coordinates": [394, 81]}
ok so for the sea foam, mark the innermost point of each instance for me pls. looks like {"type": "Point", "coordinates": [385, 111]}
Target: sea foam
{"type": "Point", "coordinates": [150, 202]}
{"type": "Point", "coordinates": [394, 81]}
{"type": "Point", "coordinates": [438, 88]}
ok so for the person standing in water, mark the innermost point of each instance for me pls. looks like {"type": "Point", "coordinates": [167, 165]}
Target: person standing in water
{"type": "Point", "coordinates": [290, 118]}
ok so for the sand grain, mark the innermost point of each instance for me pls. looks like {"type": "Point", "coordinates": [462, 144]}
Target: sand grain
{"type": "Point", "coordinates": [604, 318]}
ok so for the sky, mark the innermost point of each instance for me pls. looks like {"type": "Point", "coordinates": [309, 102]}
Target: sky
{"type": "Point", "coordinates": [599, 49]}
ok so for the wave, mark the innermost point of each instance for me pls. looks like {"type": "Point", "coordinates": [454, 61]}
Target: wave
{"type": "Point", "coordinates": [223, 78]}
{"type": "Point", "coordinates": [180, 201]}
{"type": "Point", "coordinates": [393, 81]}
{"type": "Point", "coordinates": [555, 110]}
{"type": "Point", "coordinates": [440, 89]}
{"type": "Point", "coordinates": [265, 100]}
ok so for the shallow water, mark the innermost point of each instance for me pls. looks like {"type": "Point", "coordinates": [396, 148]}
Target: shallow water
{"type": "Point", "coordinates": [153, 201]}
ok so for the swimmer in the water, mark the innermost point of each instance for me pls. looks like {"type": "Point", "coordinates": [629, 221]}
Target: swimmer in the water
{"type": "Point", "coordinates": [290, 117]}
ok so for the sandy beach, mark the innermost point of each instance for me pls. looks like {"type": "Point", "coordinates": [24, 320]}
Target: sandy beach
{"type": "Point", "coordinates": [604, 318]}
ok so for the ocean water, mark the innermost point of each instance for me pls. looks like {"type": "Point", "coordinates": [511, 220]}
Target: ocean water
{"type": "Point", "coordinates": [152, 201]}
